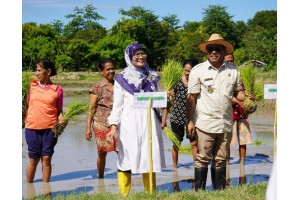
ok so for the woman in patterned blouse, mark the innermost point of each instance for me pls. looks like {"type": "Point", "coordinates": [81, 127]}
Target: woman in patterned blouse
{"type": "Point", "coordinates": [101, 100]}
{"type": "Point", "coordinates": [178, 117]}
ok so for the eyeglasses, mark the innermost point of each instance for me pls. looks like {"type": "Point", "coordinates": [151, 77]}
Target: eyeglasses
{"type": "Point", "coordinates": [212, 48]}
{"type": "Point", "coordinates": [138, 55]}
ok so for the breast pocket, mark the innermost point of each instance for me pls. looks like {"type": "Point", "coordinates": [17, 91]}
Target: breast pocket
{"type": "Point", "coordinates": [230, 83]}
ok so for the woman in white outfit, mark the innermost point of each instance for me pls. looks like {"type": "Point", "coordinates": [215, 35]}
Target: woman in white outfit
{"type": "Point", "coordinates": [131, 124]}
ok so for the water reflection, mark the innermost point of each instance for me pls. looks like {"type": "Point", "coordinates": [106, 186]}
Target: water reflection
{"type": "Point", "coordinates": [175, 181]}
{"type": "Point", "coordinates": [46, 190]}
{"type": "Point", "coordinates": [31, 193]}
{"type": "Point", "coordinates": [101, 186]}
{"type": "Point", "coordinates": [242, 178]}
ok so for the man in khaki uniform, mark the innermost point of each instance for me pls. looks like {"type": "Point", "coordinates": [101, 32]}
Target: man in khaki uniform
{"type": "Point", "coordinates": [212, 84]}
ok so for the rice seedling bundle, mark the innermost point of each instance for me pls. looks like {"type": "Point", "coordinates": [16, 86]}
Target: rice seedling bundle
{"type": "Point", "coordinates": [171, 74]}
{"type": "Point", "coordinates": [74, 109]}
{"type": "Point", "coordinates": [248, 75]}
{"type": "Point", "coordinates": [172, 136]}
{"type": "Point", "coordinates": [185, 149]}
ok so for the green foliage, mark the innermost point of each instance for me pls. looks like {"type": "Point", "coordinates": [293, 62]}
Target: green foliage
{"type": "Point", "coordinates": [82, 77]}
{"type": "Point", "coordinates": [259, 46]}
{"type": "Point", "coordinates": [239, 56]}
{"type": "Point", "coordinates": [78, 50]}
{"type": "Point", "coordinates": [37, 42]}
{"type": "Point", "coordinates": [83, 19]}
{"type": "Point", "coordinates": [144, 27]}
{"type": "Point", "coordinates": [172, 21]}
{"type": "Point", "coordinates": [266, 19]}
{"type": "Point", "coordinates": [63, 62]}
{"type": "Point", "coordinates": [186, 45]}
{"type": "Point", "coordinates": [216, 19]}
{"type": "Point", "coordinates": [113, 47]}
{"type": "Point", "coordinates": [164, 39]}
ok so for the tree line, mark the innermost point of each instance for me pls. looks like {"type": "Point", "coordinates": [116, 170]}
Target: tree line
{"type": "Point", "coordinates": [83, 41]}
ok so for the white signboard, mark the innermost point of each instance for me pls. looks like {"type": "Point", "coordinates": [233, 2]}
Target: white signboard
{"type": "Point", "coordinates": [141, 99]}
{"type": "Point", "coordinates": [270, 91]}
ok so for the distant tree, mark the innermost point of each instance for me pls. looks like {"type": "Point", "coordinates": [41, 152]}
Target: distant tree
{"type": "Point", "coordinates": [38, 41]}
{"type": "Point", "coordinates": [191, 26]}
{"type": "Point", "coordinates": [78, 50]}
{"type": "Point", "coordinates": [112, 46]}
{"type": "Point", "coordinates": [259, 46]}
{"type": "Point", "coordinates": [58, 26]}
{"type": "Point", "coordinates": [186, 46]}
{"type": "Point", "coordinates": [265, 19]}
{"type": "Point", "coordinates": [144, 27]}
{"type": "Point", "coordinates": [64, 63]}
{"type": "Point", "coordinates": [217, 20]}
{"type": "Point", "coordinates": [172, 21]}
{"type": "Point", "coordinates": [84, 24]}
{"type": "Point", "coordinates": [239, 56]}
{"type": "Point", "coordinates": [260, 41]}
{"type": "Point", "coordinates": [240, 28]}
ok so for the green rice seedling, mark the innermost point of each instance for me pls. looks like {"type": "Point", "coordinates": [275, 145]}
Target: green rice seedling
{"type": "Point", "coordinates": [171, 73]}
{"type": "Point", "coordinates": [74, 109]}
{"type": "Point", "coordinates": [185, 149]}
{"type": "Point", "coordinates": [172, 136]}
{"type": "Point", "coordinates": [258, 91]}
{"type": "Point", "coordinates": [259, 141]}
{"type": "Point", "coordinates": [248, 75]}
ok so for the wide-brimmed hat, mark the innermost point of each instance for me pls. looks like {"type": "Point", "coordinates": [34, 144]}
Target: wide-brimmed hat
{"type": "Point", "coordinates": [216, 39]}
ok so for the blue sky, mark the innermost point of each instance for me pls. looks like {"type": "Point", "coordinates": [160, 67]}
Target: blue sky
{"type": "Point", "coordinates": [45, 11]}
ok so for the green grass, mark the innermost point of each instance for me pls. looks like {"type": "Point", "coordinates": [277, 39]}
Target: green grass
{"type": "Point", "coordinates": [244, 192]}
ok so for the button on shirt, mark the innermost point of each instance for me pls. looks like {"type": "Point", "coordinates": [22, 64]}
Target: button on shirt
{"type": "Point", "coordinates": [215, 88]}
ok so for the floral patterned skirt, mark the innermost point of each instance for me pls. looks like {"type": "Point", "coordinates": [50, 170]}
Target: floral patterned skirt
{"type": "Point", "coordinates": [241, 134]}
{"type": "Point", "coordinates": [104, 145]}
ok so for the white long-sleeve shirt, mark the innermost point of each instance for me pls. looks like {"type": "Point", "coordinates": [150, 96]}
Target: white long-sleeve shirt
{"type": "Point", "coordinates": [133, 132]}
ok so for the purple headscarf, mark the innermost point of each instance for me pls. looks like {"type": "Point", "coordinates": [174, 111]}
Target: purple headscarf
{"type": "Point", "coordinates": [137, 79]}
{"type": "Point", "coordinates": [132, 48]}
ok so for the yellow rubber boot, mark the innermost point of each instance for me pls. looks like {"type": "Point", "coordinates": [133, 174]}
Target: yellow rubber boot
{"type": "Point", "coordinates": [146, 181]}
{"type": "Point", "coordinates": [124, 183]}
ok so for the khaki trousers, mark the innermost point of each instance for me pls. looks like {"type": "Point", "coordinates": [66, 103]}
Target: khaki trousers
{"type": "Point", "coordinates": [212, 147]}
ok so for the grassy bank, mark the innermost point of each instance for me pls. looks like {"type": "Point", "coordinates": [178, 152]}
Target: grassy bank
{"type": "Point", "coordinates": [244, 192]}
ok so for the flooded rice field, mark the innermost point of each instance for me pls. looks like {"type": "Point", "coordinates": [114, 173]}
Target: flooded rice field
{"type": "Point", "coordinates": [74, 163]}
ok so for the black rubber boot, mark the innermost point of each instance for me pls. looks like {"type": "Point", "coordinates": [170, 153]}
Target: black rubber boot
{"type": "Point", "coordinates": [220, 178]}
{"type": "Point", "coordinates": [200, 178]}
{"type": "Point", "coordinates": [213, 179]}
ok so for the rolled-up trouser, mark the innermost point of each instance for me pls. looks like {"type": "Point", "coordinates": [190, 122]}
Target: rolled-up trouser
{"type": "Point", "coordinates": [212, 147]}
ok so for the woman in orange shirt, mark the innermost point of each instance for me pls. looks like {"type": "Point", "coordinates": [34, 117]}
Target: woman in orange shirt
{"type": "Point", "coordinates": [45, 101]}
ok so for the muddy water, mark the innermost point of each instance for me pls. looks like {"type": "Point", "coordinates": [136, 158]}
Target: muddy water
{"type": "Point", "coordinates": [74, 163]}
